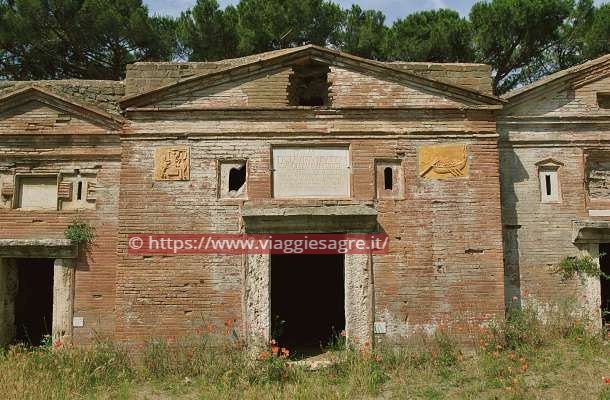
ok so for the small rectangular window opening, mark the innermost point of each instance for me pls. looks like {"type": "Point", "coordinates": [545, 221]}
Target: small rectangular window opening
{"type": "Point", "coordinates": [388, 178]}
{"type": "Point", "coordinates": [549, 186]}
{"type": "Point", "coordinates": [237, 178]}
{"type": "Point", "coordinates": [79, 190]}
{"type": "Point", "coordinates": [603, 100]}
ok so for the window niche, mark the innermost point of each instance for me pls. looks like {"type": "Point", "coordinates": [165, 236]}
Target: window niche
{"type": "Point", "coordinates": [77, 189]}
{"type": "Point", "coordinates": [389, 179]}
{"type": "Point", "coordinates": [548, 175]}
{"type": "Point", "coordinates": [603, 100]}
{"type": "Point", "coordinates": [233, 179]}
{"type": "Point", "coordinates": [309, 85]}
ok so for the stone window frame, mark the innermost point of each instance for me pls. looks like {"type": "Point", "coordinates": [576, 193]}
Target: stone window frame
{"type": "Point", "coordinates": [17, 190]}
{"type": "Point", "coordinates": [398, 175]}
{"type": "Point", "coordinates": [220, 185]}
{"type": "Point", "coordinates": [88, 178]}
{"type": "Point", "coordinates": [553, 167]}
{"type": "Point", "coordinates": [350, 155]}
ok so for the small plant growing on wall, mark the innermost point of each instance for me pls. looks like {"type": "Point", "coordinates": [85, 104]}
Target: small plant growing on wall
{"type": "Point", "coordinates": [80, 233]}
{"type": "Point", "coordinates": [581, 266]}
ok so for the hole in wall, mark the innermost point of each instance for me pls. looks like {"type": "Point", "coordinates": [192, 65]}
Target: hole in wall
{"type": "Point", "coordinates": [603, 100]}
{"type": "Point", "coordinates": [237, 178]}
{"type": "Point", "coordinates": [388, 178]}
{"type": "Point", "coordinates": [309, 85]}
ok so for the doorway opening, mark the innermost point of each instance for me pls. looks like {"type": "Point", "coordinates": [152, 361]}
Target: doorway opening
{"type": "Point", "coordinates": [307, 301]}
{"type": "Point", "coordinates": [604, 263]}
{"type": "Point", "coordinates": [34, 300]}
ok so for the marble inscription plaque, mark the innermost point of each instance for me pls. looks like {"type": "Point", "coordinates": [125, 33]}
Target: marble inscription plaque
{"type": "Point", "coordinates": [315, 172]}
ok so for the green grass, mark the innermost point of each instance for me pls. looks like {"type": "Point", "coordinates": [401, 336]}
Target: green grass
{"type": "Point", "coordinates": [520, 358]}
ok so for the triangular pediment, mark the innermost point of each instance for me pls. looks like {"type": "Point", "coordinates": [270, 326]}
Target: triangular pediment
{"type": "Point", "coordinates": [571, 91]}
{"type": "Point", "coordinates": [229, 86]}
{"type": "Point", "coordinates": [36, 109]}
{"type": "Point", "coordinates": [549, 163]}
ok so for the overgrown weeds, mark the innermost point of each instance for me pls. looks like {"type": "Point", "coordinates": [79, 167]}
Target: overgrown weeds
{"type": "Point", "coordinates": [522, 357]}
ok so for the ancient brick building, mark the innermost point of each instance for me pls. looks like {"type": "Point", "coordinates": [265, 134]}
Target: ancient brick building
{"type": "Point", "coordinates": [215, 148]}
{"type": "Point", "coordinates": [555, 155]}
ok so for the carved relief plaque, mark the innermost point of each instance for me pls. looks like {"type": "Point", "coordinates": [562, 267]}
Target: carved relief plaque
{"type": "Point", "coordinates": [172, 163]}
{"type": "Point", "coordinates": [316, 172]}
{"type": "Point", "coordinates": [598, 175]}
{"type": "Point", "coordinates": [443, 161]}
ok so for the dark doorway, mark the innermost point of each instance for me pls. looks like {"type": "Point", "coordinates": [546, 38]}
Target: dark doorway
{"type": "Point", "coordinates": [307, 301]}
{"type": "Point", "coordinates": [34, 300]}
{"type": "Point", "coordinates": [604, 263]}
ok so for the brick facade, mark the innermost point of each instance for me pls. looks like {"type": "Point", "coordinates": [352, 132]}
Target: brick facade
{"type": "Point", "coordinates": [558, 118]}
{"type": "Point", "coordinates": [446, 259]}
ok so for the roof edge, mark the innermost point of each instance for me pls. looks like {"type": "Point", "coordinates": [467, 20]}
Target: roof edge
{"type": "Point", "coordinates": [309, 51]}
{"type": "Point", "coordinates": [34, 89]}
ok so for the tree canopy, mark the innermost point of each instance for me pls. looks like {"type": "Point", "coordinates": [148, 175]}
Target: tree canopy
{"type": "Point", "coordinates": [438, 36]}
{"type": "Point", "coordinates": [522, 40]}
{"type": "Point", "coordinates": [78, 38]}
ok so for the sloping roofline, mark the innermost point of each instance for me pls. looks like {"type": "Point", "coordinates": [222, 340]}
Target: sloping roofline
{"type": "Point", "coordinates": [32, 92]}
{"type": "Point", "coordinates": [562, 77]}
{"type": "Point", "coordinates": [312, 52]}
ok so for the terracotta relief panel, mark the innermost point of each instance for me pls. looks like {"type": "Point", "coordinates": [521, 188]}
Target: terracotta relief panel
{"type": "Point", "coordinates": [443, 161]}
{"type": "Point", "coordinates": [172, 163]}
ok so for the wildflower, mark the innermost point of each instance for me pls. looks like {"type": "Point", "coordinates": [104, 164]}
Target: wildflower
{"type": "Point", "coordinates": [275, 350]}
{"type": "Point", "coordinates": [524, 367]}
{"type": "Point", "coordinates": [343, 334]}
{"type": "Point", "coordinates": [263, 355]}
{"type": "Point", "coordinates": [272, 342]}
{"type": "Point", "coordinates": [606, 380]}
{"type": "Point", "coordinates": [515, 298]}
{"type": "Point", "coordinates": [57, 343]}
{"type": "Point", "coordinates": [285, 352]}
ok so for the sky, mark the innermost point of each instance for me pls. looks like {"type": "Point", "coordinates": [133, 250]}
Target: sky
{"type": "Point", "coordinates": [393, 9]}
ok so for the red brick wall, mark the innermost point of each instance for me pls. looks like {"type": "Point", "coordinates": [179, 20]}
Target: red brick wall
{"type": "Point", "coordinates": [446, 249]}
{"type": "Point", "coordinates": [95, 276]}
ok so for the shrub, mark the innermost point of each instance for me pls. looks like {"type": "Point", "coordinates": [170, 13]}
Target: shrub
{"type": "Point", "coordinates": [581, 266]}
{"type": "Point", "coordinates": [80, 233]}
